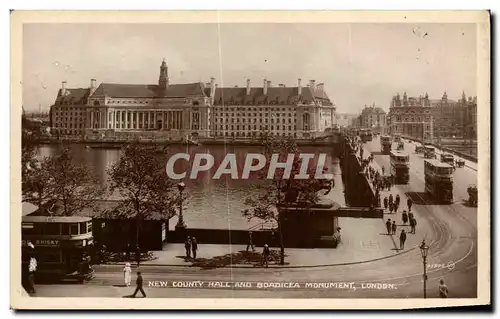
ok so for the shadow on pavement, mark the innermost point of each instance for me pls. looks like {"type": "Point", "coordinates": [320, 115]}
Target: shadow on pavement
{"type": "Point", "coordinates": [241, 257]}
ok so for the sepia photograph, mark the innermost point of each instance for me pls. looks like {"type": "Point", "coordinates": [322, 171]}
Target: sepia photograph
{"type": "Point", "coordinates": [165, 160]}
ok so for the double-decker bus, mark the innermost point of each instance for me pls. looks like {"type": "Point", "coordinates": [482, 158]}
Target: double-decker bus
{"type": "Point", "coordinates": [448, 159]}
{"type": "Point", "coordinates": [439, 180]}
{"type": "Point", "coordinates": [400, 167]}
{"type": "Point", "coordinates": [385, 144]}
{"type": "Point", "coordinates": [60, 245]}
{"type": "Point", "coordinates": [366, 135]}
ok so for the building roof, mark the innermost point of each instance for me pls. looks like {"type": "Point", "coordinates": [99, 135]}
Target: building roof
{"type": "Point", "coordinates": [437, 163]}
{"type": "Point", "coordinates": [106, 209]}
{"type": "Point", "coordinates": [376, 110]}
{"type": "Point", "coordinates": [149, 90]}
{"type": "Point", "coordinates": [72, 97]}
{"type": "Point", "coordinates": [275, 95]}
{"type": "Point", "coordinates": [54, 219]}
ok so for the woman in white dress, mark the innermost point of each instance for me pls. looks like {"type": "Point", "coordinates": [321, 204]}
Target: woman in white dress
{"type": "Point", "coordinates": [127, 271]}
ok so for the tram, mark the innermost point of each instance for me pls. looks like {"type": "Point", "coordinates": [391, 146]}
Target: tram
{"type": "Point", "coordinates": [400, 167]}
{"type": "Point", "coordinates": [439, 180]}
{"type": "Point", "coordinates": [385, 144]}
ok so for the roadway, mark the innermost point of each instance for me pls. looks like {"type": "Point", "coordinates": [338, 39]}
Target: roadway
{"type": "Point", "coordinates": [452, 234]}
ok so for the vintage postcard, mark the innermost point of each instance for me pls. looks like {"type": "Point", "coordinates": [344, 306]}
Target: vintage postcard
{"type": "Point", "coordinates": [250, 160]}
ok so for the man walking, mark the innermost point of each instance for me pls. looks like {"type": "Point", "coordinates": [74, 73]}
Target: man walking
{"type": "Point", "coordinates": [31, 276]}
{"type": "Point", "coordinates": [402, 239]}
{"type": "Point", "coordinates": [388, 226]}
{"type": "Point", "coordinates": [394, 227]}
{"type": "Point", "coordinates": [443, 289]}
{"type": "Point", "coordinates": [413, 224]}
{"type": "Point", "coordinates": [405, 217]}
{"type": "Point", "coordinates": [138, 288]}
{"type": "Point", "coordinates": [265, 255]}
{"type": "Point", "coordinates": [187, 246]}
{"type": "Point", "coordinates": [409, 202]}
{"type": "Point", "coordinates": [250, 241]}
{"type": "Point", "coordinates": [386, 202]}
{"type": "Point", "coordinates": [194, 246]}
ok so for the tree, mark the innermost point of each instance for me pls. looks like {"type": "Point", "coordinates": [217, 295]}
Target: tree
{"type": "Point", "coordinates": [141, 180]}
{"type": "Point", "coordinates": [72, 186]}
{"type": "Point", "coordinates": [282, 190]}
{"type": "Point", "coordinates": [36, 182]}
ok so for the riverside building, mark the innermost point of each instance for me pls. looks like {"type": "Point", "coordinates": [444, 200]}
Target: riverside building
{"type": "Point", "coordinates": [192, 109]}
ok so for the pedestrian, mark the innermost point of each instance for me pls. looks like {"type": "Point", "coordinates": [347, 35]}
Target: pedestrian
{"type": "Point", "coordinates": [138, 255]}
{"type": "Point", "coordinates": [443, 289]}
{"type": "Point", "coordinates": [409, 202]}
{"type": "Point", "coordinates": [127, 273]}
{"type": "Point", "coordinates": [394, 227]}
{"type": "Point", "coordinates": [396, 207]}
{"type": "Point", "coordinates": [413, 224]}
{"type": "Point", "coordinates": [405, 217]}
{"type": "Point", "coordinates": [383, 170]}
{"type": "Point", "coordinates": [265, 255]}
{"type": "Point", "coordinates": [410, 215]}
{"type": "Point", "coordinates": [187, 246]}
{"type": "Point", "coordinates": [386, 202]}
{"type": "Point", "coordinates": [250, 241]}
{"type": "Point", "coordinates": [391, 199]}
{"type": "Point", "coordinates": [388, 226]}
{"type": "Point", "coordinates": [138, 288]}
{"type": "Point", "coordinates": [402, 239]}
{"type": "Point", "coordinates": [398, 200]}
{"type": "Point", "coordinates": [194, 246]}
{"type": "Point", "coordinates": [391, 207]}
{"type": "Point", "coordinates": [31, 276]}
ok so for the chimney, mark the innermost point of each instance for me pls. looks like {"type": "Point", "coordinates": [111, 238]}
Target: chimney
{"type": "Point", "coordinates": [212, 86]}
{"type": "Point", "coordinates": [63, 88]}
{"type": "Point", "coordinates": [265, 86]}
{"type": "Point", "coordinates": [269, 84]}
{"type": "Point", "coordinates": [248, 86]}
{"type": "Point", "coordinates": [92, 86]}
{"type": "Point", "coordinates": [312, 84]}
{"type": "Point", "coordinates": [300, 86]}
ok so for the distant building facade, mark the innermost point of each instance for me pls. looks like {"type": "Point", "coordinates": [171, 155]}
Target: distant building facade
{"type": "Point", "coordinates": [374, 118]}
{"type": "Point", "coordinates": [346, 119]}
{"type": "Point", "coordinates": [431, 120]}
{"type": "Point", "coordinates": [455, 118]}
{"type": "Point", "coordinates": [193, 109]}
{"type": "Point", "coordinates": [411, 116]}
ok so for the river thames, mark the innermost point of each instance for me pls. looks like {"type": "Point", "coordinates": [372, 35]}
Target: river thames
{"type": "Point", "coordinates": [211, 203]}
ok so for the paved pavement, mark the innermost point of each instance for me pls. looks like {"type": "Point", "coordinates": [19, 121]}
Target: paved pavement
{"type": "Point", "coordinates": [452, 230]}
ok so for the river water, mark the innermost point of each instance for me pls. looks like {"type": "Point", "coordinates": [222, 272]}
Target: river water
{"type": "Point", "coordinates": [211, 203]}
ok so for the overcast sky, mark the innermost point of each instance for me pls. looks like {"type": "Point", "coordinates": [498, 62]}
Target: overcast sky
{"type": "Point", "coordinates": [359, 63]}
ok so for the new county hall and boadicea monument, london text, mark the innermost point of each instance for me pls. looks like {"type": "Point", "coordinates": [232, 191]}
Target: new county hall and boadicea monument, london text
{"type": "Point", "coordinates": [192, 109]}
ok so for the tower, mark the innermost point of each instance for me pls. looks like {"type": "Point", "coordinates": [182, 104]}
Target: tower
{"type": "Point", "coordinates": [163, 80]}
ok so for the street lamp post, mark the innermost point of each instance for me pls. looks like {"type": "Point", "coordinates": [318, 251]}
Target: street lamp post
{"type": "Point", "coordinates": [180, 222]}
{"type": "Point", "coordinates": [424, 249]}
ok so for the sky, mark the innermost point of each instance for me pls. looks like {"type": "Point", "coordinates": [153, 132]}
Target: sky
{"type": "Point", "coordinates": [358, 63]}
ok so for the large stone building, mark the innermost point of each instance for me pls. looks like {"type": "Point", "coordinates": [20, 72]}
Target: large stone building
{"type": "Point", "coordinates": [373, 118]}
{"type": "Point", "coordinates": [411, 116]}
{"type": "Point", "coordinates": [346, 119]}
{"type": "Point", "coordinates": [432, 120]}
{"type": "Point", "coordinates": [455, 118]}
{"type": "Point", "coordinates": [193, 109]}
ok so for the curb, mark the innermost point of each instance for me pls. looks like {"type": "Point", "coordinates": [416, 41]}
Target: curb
{"type": "Point", "coordinates": [276, 266]}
